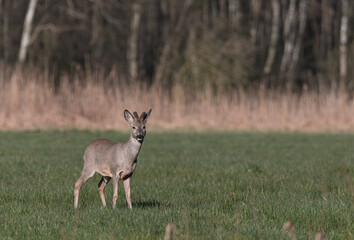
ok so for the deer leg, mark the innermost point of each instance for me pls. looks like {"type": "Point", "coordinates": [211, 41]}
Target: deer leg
{"type": "Point", "coordinates": [115, 191]}
{"type": "Point", "coordinates": [127, 192]}
{"type": "Point", "coordinates": [101, 185]}
{"type": "Point", "coordinates": [86, 175]}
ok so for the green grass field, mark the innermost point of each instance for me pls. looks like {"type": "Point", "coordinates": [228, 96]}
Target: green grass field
{"type": "Point", "coordinates": [212, 185]}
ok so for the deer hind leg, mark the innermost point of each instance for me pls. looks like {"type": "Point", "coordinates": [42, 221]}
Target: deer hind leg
{"type": "Point", "coordinates": [101, 185]}
{"type": "Point", "coordinates": [86, 175]}
{"type": "Point", "coordinates": [127, 192]}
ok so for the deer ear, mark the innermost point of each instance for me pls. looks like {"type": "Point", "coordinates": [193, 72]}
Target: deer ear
{"type": "Point", "coordinates": [147, 115]}
{"type": "Point", "coordinates": [128, 116]}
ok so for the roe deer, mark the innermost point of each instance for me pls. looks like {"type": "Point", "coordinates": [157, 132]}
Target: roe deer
{"type": "Point", "coordinates": [114, 160]}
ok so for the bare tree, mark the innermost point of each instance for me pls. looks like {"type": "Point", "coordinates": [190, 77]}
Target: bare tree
{"type": "Point", "coordinates": [289, 36]}
{"type": "Point", "coordinates": [343, 42]}
{"type": "Point", "coordinates": [74, 12]}
{"type": "Point", "coordinates": [300, 35]}
{"type": "Point", "coordinates": [255, 8]}
{"type": "Point", "coordinates": [133, 41]}
{"type": "Point", "coordinates": [5, 29]}
{"type": "Point", "coordinates": [274, 37]}
{"type": "Point", "coordinates": [235, 13]}
{"type": "Point", "coordinates": [191, 52]}
{"type": "Point", "coordinates": [26, 33]}
{"type": "Point", "coordinates": [162, 38]}
{"type": "Point", "coordinates": [223, 9]}
{"type": "Point", "coordinates": [96, 31]}
{"type": "Point", "coordinates": [171, 41]}
{"type": "Point", "coordinates": [326, 28]}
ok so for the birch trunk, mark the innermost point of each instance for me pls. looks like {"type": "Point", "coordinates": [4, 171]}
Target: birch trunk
{"type": "Point", "coordinates": [273, 38]}
{"type": "Point", "coordinates": [235, 13]}
{"type": "Point", "coordinates": [289, 36]}
{"type": "Point", "coordinates": [26, 33]}
{"type": "Point", "coordinates": [300, 36]}
{"type": "Point", "coordinates": [343, 42]}
{"type": "Point", "coordinates": [5, 29]}
{"type": "Point", "coordinates": [133, 42]}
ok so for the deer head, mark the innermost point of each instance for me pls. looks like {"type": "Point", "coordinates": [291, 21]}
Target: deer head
{"type": "Point", "coordinates": [138, 124]}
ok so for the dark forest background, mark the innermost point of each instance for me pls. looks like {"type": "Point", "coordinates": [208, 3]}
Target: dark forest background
{"type": "Point", "coordinates": [226, 44]}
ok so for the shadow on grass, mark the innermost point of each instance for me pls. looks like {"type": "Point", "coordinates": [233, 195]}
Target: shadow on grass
{"type": "Point", "coordinates": [147, 204]}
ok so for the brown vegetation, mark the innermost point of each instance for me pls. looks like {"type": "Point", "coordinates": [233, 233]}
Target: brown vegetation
{"type": "Point", "coordinates": [30, 101]}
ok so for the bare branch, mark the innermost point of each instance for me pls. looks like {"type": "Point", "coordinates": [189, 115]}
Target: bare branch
{"type": "Point", "coordinates": [73, 12]}
{"type": "Point", "coordinates": [51, 27]}
{"type": "Point", "coordinates": [112, 20]}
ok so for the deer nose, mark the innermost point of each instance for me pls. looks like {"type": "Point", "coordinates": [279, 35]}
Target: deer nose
{"type": "Point", "coordinates": [140, 136]}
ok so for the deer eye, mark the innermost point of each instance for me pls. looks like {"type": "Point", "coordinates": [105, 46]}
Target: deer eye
{"type": "Point", "coordinates": [144, 127]}
{"type": "Point", "coordinates": [133, 127]}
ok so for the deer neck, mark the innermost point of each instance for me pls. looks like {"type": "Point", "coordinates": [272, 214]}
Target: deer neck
{"type": "Point", "coordinates": [133, 146]}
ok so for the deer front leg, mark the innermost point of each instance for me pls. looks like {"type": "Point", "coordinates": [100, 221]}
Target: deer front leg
{"type": "Point", "coordinates": [127, 192]}
{"type": "Point", "coordinates": [115, 191]}
{"type": "Point", "coordinates": [101, 185]}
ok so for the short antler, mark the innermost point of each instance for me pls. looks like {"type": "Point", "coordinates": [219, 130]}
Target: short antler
{"type": "Point", "coordinates": [136, 115]}
{"type": "Point", "coordinates": [143, 115]}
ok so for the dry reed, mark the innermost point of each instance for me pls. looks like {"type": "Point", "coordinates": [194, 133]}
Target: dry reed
{"type": "Point", "coordinates": [29, 101]}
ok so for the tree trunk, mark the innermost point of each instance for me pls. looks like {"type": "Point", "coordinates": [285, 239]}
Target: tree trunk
{"type": "Point", "coordinates": [133, 41]}
{"type": "Point", "coordinates": [214, 12]}
{"type": "Point", "coordinates": [255, 9]}
{"type": "Point", "coordinates": [171, 41]}
{"type": "Point", "coordinates": [289, 37]}
{"type": "Point", "coordinates": [235, 14]}
{"type": "Point", "coordinates": [191, 54]}
{"type": "Point", "coordinates": [5, 30]}
{"type": "Point", "coordinates": [326, 28]}
{"type": "Point", "coordinates": [96, 33]}
{"type": "Point", "coordinates": [205, 14]}
{"type": "Point", "coordinates": [273, 38]}
{"type": "Point", "coordinates": [1, 14]}
{"type": "Point", "coordinates": [300, 36]}
{"type": "Point", "coordinates": [223, 10]}
{"type": "Point", "coordinates": [343, 42]}
{"type": "Point", "coordinates": [26, 33]}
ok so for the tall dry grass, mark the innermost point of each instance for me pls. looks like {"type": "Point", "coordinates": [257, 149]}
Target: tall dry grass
{"type": "Point", "coordinates": [30, 101]}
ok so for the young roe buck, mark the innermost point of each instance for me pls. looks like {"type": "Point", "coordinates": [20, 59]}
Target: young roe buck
{"type": "Point", "coordinates": [114, 160]}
